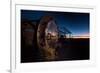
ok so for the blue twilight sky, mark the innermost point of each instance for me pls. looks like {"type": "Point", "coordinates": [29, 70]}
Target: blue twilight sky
{"type": "Point", "coordinates": [77, 23]}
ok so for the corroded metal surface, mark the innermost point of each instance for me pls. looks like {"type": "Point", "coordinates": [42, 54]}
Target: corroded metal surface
{"type": "Point", "coordinates": [47, 37]}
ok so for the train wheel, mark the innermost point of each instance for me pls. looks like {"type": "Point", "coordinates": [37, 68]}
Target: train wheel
{"type": "Point", "coordinates": [47, 37]}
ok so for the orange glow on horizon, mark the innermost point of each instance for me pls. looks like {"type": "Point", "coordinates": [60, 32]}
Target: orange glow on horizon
{"type": "Point", "coordinates": [86, 35]}
{"type": "Point", "coordinates": [80, 36]}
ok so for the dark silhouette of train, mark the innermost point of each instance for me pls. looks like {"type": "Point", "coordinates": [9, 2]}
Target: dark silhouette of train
{"type": "Point", "coordinates": [43, 35]}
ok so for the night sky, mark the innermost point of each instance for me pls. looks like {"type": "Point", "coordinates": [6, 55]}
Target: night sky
{"type": "Point", "coordinates": [77, 23]}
